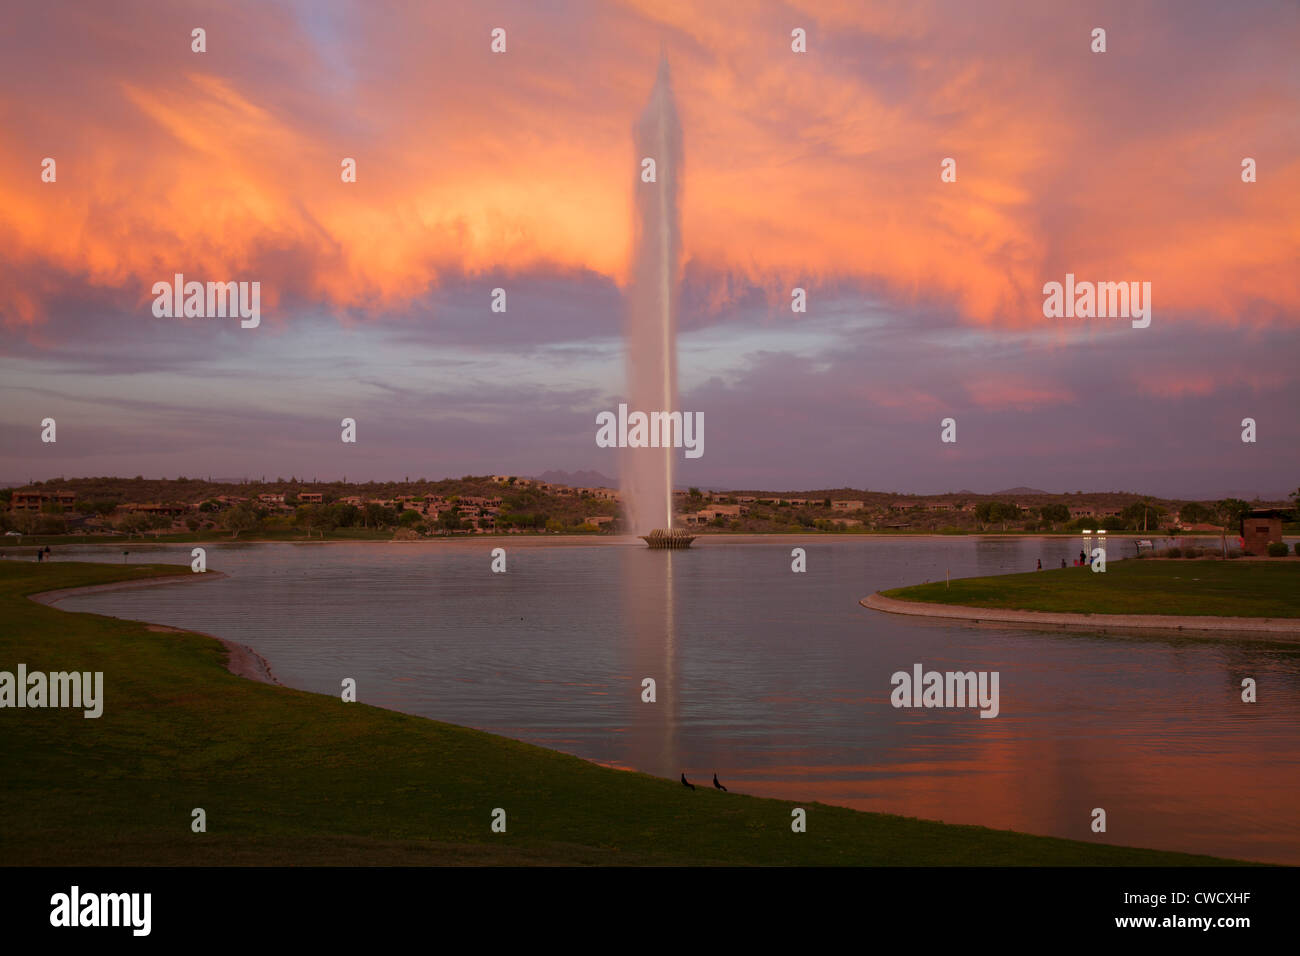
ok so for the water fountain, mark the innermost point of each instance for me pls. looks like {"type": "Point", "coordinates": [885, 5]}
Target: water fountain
{"type": "Point", "coordinates": [651, 324]}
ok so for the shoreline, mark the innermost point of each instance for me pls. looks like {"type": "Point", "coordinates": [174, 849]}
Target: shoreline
{"type": "Point", "coordinates": [1288, 628]}
{"type": "Point", "coordinates": [115, 541]}
{"type": "Point", "coordinates": [242, 660]}
{"type": "Point", "coordinates": [877, 819]}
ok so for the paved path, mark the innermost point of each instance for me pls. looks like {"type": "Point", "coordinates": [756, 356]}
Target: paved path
{"type": "Point", "coordinates": [1165, 622]}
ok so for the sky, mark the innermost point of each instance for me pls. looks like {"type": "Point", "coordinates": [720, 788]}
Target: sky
{"type": "Point", "coordinates": [820, 170]}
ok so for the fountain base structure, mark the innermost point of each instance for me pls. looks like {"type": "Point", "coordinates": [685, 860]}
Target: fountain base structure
{"type": "Point", "coordinates": [676, 538]}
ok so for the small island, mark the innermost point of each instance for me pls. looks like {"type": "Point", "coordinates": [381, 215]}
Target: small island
{"type": "Point", "coordinates": [1241, 595]}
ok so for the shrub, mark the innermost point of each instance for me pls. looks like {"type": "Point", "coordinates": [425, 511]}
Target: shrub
{"type": "Point", "coordinates": [1174, 553]}
{"type": "Point", "coordinates": [1297, 548]}
{"type": "Point", "coordinates": [1277, 549]}
{"type": "Point", "coordinates": [1191, 552]}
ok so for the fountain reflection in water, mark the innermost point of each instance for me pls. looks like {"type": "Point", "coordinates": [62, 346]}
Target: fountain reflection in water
{"type": "Point", "coordinates": [650, 611]}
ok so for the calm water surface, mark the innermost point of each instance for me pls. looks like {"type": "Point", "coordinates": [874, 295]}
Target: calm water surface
{"type": "Point", "coordinates": [778, 681]}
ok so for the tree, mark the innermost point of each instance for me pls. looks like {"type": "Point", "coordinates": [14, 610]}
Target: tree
{"type": "Point", "coordinates": [1196, 513]}
{"type": "Point", "coordinates": [132, 522]}
{"type": "Point", "coordinates": [305, 517]}
{"type": "Point", "coordinates": [449, 520]}
{"type": "Point", "coordinates": [342, 515]}
{"type": "Point", "coordinates": [1230, 511]}
{"type": "Point", "coordinates": [378, 516]}
{"type": "Point", "coordinates": [158, 523]}
{"type": "Point", "coordinates": [1054, 513]}
{"type": "Point", "coordinates": [1002, 511]}
{"type": "Point", "coordinates": [1141, 515]}
{"type": "Point", "coordinates": [242, 517]}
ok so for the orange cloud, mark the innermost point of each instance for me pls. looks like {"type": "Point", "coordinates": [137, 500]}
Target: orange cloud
{"type": "Point", "coordinates": [798, 167]}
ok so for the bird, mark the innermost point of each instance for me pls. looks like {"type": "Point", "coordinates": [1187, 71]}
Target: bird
{"type": "Point", "coordinates": [717, 785]}
{"type": "Point", "coordinates": [685, 782]}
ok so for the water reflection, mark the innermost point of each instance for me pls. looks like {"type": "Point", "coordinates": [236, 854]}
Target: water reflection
{"type": "Point", "coordinates": [780, 681]}
{"type": "Point", "coordinates": [650, 615]}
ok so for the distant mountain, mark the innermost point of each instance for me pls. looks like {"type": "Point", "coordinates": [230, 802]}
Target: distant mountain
{"type": "Point", "coordinates": [1022, 490]}
{"type": "Point", "coordinates": [578, 479]}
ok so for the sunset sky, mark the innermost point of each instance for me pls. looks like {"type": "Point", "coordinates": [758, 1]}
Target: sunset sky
{"type": "Point", "coordinates": [819, 170]}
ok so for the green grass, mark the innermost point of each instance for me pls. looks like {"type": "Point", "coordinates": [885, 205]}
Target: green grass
{"type": "Point", "coordinates": [288, 777]}
{"type": "Point", "coordinates": [1174, 586]}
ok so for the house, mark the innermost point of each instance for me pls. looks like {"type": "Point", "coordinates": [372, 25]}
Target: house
{"type": "Point", "coordinates": [33, 500]}
{"type": "Point", "coordinates": [847, 505]}
{"type": "Point", "coordinates": [705, 515]}
{"type": "Point", "coordinates": [311, 498]}
{"type": "Point", "coordinates": [1260, 528]}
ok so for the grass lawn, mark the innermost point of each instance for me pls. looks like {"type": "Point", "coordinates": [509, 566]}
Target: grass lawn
{"type": "Point", "coordinates": [288, 777]}
{"type": "Point", "coordinates": [1173, 586]}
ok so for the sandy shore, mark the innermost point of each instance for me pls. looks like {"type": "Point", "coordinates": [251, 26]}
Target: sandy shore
{"type": "Point", "coordinates": [1289, 628]}
{"type": "Point", "coordinates": [242, 660]}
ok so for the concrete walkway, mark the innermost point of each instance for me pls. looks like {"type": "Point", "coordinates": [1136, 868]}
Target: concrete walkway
{"type": "Point", "coordinates": [1277, 626]}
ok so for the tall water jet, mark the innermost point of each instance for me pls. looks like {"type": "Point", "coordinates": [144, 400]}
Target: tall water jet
{"type": "Point", "coordinates": [650, 334]}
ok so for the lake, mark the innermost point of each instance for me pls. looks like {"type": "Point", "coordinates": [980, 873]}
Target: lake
{"type": "Point", "coordinates": [779, 682]}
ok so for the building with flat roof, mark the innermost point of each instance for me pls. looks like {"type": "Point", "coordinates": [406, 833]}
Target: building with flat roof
{"type": "Point", "coordinates": [33, 500]}
{"type": "Point", "coordinates": [1260, 528]}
